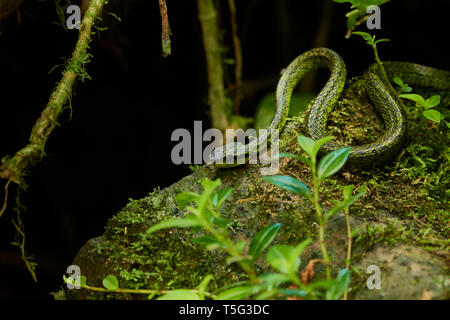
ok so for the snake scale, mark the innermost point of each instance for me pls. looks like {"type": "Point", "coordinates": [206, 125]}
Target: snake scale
{"type": "Point", "coordinates": [431, 79]}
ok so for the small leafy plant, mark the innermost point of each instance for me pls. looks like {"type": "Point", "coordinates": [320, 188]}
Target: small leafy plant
{"type": "Point", "coordinates": [370, 40]}
{"type": "Point", "coordinates": [403, 87]}
{"type": "Point", "coordinates": [327, 166]}
{"type": "Point", "coordinates": [204, 215]}
{"type": "Point", "coordinates": [425, 106]}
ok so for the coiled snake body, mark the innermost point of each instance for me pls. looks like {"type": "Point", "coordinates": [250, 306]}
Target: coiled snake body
{"type": "Point", "coordinates": [321, 107]}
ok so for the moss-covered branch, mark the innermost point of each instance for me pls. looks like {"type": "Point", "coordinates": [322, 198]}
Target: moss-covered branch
{"type": "Point", "coordinates": [14, 168]}
{"type": "Point", "coordinates": [217, 98]}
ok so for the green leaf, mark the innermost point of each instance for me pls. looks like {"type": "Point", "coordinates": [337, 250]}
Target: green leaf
{"type": "Point", "coordinates": [339, 286]}
{"type": "Point", "coordinates": [209, 187]}
{"type": "Point", "coordinates": [366, 36]}
{"type": "Point", "coordinates": [181, 294]}
{"type": "Point", "coordinates": [413, 97]}
{"type": "Point", "coordinates": [286, 259]}
{"type": "Point", "coordinates": [241, 245]}
{"type": "Point", "coordinates": [262, 240]}
{"type": "Point", "coordinates": [278, 257]}
{"type": "Point", "coordinates": [237, 293]}
{"type": "Point", "coordinates": [299, 158]}
{"type": "Point", "coordinates": [184, 198]}
{"type": "Point", "coordinates": [398, 81]}
{"type": "Point", "coordinates": [219, 197]}
{"type": "Point", "coordinates": [432, 115]}
{"type": "Point", "coordinates": [83, 281]}
{"type": "Point", "coordinates": [220, 221]}
{"type": "Point", "coordinates": [188, 221]}
{"type": "Point", "coordinates": [432, 101]}
{"type": "Point", "coordinates": [347, 192]}
{"type": "Point", "coordinates": [111, 282]}
{"type": "Point", "coordinates": [382, 40]}
{"type": "Point", "coordinates": [272, 280]}
{"type": "Point", "coordinates": [288, 183]}
{"type": "Point", "coordinates": [299, 248]}
{"type": "Point", "coordinates": [319, 143]}
{"type": "Point", "coordinates": [307, 144]}
{"type": "Point", "coordinates": [407, 89]}
{"type": "Point", "coordinates": [233, 259]}
{"type": "Point", "coordinates": [295, 292]}
{"type": "Point", "coordinates": [332, 162]}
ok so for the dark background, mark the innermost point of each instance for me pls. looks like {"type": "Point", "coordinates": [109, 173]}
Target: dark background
{"type": "Point", "coordinates": [117, 144]}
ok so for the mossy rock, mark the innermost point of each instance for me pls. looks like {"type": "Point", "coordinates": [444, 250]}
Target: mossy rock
{"type": "Point", "coordinates": [401, 223]}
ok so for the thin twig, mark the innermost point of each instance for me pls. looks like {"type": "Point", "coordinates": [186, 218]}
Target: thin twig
{"type": "Point", "coordinates": [19, 227]}
{"type": "Point", "coordinates": [5, 201]}
{"type": "Point", "coordinates": [237, 57]}
{"type": "Point", "coordinates": [165, 29]}
{"type": "Point", "coordinates": [349, 243]}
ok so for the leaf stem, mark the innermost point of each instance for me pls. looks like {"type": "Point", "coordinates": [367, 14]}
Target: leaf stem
{"type": "Point", "coordinates": [320, 220]}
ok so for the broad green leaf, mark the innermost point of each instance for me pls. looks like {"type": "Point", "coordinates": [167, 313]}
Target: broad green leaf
{"type": "Point", "coordinates": [184, 198]}
{"type": "Point", "coordinates": [348, 191]}
{"type": "Point", "coordinates": [181, 294]}
{"type": "Point", "coordinates": [238, 293]}
{"type": "Point", "coordinates": [366, 36]}
{"type": "Point", "coordinates": [319, 143]}
{"type": "Point", "coordinates": [432, 101]}
{"type": "Point", "coordinates": [288, 183]}
{"type": "Point", "coordinates": [111, 282]}
{"type": "Point", "coordinates": [413, 97]}
{"type": "Point", "coordinates": [407, 89]}
{"type": "Point", "coordinates": [278, 257]}
{"type": "Point", "coordinates": [307, 144]}
{"type": "Point", "coordinates": [398, 81]}
{"type": "Point", "coordinates": [188, 221]}
{"type": "Point", "coordinates": [332, 162]}
{"type": "Point", "coordinates": [299, 158]}
{"type": "Point", "coordinates": [286, 259]}
{"type": "Point", "coordinates": [432, 115]}
{"type": "Point", "coordinates": [262, 240]}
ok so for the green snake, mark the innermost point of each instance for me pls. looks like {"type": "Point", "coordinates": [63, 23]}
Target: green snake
{"type": "Point", "coordinates": [431, 79]}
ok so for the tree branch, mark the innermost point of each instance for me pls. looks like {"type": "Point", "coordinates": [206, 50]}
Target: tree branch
{"type": "Point", "coordinates": [15, 168]}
